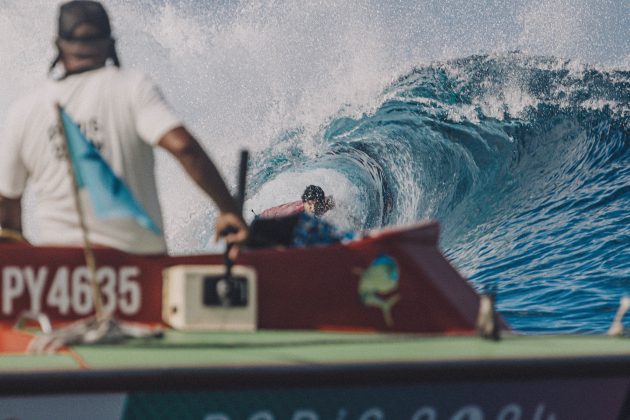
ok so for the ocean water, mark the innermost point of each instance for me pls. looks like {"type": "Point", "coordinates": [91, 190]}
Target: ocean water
{"type": "Point", "coordinates": [508, 123]}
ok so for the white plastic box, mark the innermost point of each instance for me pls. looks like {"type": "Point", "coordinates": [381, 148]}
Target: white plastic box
{"type": "Point", "coordinates": [194, 298]}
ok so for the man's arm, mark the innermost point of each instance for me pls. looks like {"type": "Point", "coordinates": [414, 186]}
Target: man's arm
{"type": "Point", "coordinates": [181, 144]}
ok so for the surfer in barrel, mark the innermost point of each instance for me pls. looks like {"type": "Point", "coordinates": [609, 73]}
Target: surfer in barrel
{"type": "Point", "coordinates": [314, 201]}
{"type": "Point", "coordinates": [298, 223]}
{"type": "Point", "coordinates": [122, 114]}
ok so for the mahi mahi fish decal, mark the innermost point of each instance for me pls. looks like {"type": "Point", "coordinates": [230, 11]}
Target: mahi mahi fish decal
{"type": "Point", "coordinates": [378, 284]}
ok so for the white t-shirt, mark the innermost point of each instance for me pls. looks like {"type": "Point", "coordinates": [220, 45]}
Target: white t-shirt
{"type": "Point", "coordinates": [124, 114]}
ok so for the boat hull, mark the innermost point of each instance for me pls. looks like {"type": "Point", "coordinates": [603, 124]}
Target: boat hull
{"type": "Point", "coordinates": [308, 288]}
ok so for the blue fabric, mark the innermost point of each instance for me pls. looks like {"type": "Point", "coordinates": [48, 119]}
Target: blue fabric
{"type": "Point", "coordinates": [310, 230]}
{"type": "Point", "coordinates": [110, 196]}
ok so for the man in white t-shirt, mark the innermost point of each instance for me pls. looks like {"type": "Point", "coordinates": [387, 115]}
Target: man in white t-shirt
{"type": "Point", "coordinates": [124, 114]}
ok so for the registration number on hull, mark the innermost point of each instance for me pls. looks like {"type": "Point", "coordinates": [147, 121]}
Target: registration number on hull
{"type": "Point", "coordinates": [67, 290]}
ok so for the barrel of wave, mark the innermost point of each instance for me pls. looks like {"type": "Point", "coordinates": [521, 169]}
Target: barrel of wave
{"type": "Point", "coordinates": [350, 210]}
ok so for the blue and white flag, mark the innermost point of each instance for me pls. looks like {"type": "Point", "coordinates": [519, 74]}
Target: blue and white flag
{"type": "Point", "coordinates": [110, 196]}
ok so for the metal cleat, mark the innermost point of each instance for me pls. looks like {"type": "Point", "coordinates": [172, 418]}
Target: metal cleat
{"type": "Point", "coordinates": [487, 323]}
{"type": "Point", "coordinates": [616, 328]}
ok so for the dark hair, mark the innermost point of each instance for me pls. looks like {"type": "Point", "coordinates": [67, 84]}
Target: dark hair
{"type": "Point", "coordinates": [313, 193]}
{"type": "Point", "coordinates": [323, 203]}
{"type": "Point", "coordinates": [77, 12]}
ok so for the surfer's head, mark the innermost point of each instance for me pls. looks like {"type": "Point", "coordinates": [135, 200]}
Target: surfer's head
{"type": "Point", "coordinates": [315, 201]}
{"type": "Point", "coordinates": [84, 37]}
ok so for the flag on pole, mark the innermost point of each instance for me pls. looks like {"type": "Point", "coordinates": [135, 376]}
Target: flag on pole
{"type": "Point", "coordinates": [110, 196]}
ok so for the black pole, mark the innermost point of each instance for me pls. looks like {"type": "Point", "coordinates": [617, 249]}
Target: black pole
{"type": "Point", "coordinates": [242, 180]}
{"type": "Point", "coordinates": [240, 201]}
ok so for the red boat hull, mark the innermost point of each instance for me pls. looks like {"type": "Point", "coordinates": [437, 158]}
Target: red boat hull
{"type": "Point", "coordinates": [305, 288]}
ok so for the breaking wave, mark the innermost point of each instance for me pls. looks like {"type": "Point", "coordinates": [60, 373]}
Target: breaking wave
{"type": "Point", "coordinates": [524, 161]}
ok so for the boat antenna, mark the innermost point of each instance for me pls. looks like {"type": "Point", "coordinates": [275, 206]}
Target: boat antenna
{"type": "Point", "coordinates": [240, 200]}
{"type": "Point", "coordinates": [242, 180]}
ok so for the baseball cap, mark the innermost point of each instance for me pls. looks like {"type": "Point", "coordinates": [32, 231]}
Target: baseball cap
{"type": "Point", "coordinates": [77, 12]}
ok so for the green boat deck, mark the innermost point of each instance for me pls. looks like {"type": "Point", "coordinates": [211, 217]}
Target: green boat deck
{"type": "Point", "coordinates": [321, 375]}
{"type": "Point", "coordinates": [282, 348]}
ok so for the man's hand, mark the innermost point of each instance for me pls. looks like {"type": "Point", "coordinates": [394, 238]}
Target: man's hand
{"type": "Point", "coordinates": [233, 229]}
{"type": "Point", "coordinates": [181, 144]}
